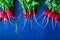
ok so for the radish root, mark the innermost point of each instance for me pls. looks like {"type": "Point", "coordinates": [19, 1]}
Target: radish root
{"type": "Point", "coordinates": [37, 21]}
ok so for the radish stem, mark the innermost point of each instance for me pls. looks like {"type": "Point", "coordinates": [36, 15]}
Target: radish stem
{"type": "Point", "coordinates": [40, 16]}
{"type": "Point", "coordinates": [43, 20]}
{"type": "Point", "coordinates": [24, 24]}
{"type": "Point", "coordinates": [46, 23]}
{"type": "Point", "coordinates": [55, 23]}
{"type": "Point", "coordinates": [37, 21]}
{"type": "Point", "coordinates": [16, 28]}
{"type": "Point", "coordinates": [52, 24]}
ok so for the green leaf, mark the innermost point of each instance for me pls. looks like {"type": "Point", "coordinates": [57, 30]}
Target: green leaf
{"type": "Point", "coordinates": [34, 3]}
{"type": "Point", "coordinates": [28, 1]}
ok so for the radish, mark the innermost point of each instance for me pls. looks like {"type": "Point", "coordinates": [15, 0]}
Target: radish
{"type": "Point", "coordinates": [46, 12]}
{"type": "Point", "coordinates": [33, 12]}
{"type": "Point", "coordinates": [50, 14]}
{"type": "Point", "coordinates": [1, 14]}
{"type": "Point", "coordinates": [26, 15]}
{"type": "Point", "coordinates": [9, 13]}
{"type": "Point", "coordinates": [56, 17]}
{"type": "Point", "coordinates": [28, 12]}
{"type": "Point", "coordinates": [0, 18]}
{"type": "Point", "coordinates": [5, 17]}
{"type": "Point", "coordinates": [59, 15]}
{"type": "Point", "coordinates": [53, 14]}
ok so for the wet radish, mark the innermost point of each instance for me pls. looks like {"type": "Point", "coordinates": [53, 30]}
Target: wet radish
{"type": "Point", "coordinates": [9, 13]}
{"type": "Point", "coordinates": [26, 15]}
{"type": "Point", "coordinates": [5, 18]}
{"type": "Point", "coordinates": [29, 9]}
{"type": "Point", "coordinates": [1, 14]}
{"type": "Point", "coordinates": [56, 18]}
{"type": "Point", "coordinates": [33, 12]}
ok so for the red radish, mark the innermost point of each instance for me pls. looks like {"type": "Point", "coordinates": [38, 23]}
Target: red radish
{"type": "Point", "coordinates": [59, 15]}
{"type": "Point", "coordinates": [46, 12]}
{"type": "Point", "coordinates": [9, 13]}
{"type": "Point", "coordinates": [50, 14]}
{"type": "Point", "coordinates": [0, 16]}
{"type": "Point", "coordinates": [33, 12]}
{"type": "Point", "coordinates": [26, 15]}
{"type": "Point", "coordinates": [28, 12]}
{"type": "Point", "coordinates": [5, 17]}
{"type": "Point", "coordinates": [53, 13]}
{"type": "Point", "coordinates": [2, 12]}
{"type": "Point", "coordinates": [56, 17]}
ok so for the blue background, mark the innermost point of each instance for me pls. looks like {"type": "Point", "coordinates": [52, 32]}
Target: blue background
{"type": "Point", "coordinates": [7, 32]}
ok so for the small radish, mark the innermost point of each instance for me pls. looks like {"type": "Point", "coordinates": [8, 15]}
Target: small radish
{"type": "Point", "coordinates": [28, 12]}
{"type": "Point", "coordinates": [53, 13]}
{"type": "Point", "coordinates": [33, 12]}
{"type": "Point", "coordinates": [59, 15]}
{"type": "Point", "coordinates": [56, 17]}
{"type": "Point", "coordinates": [0, 16]}
{"type": "Point", "coordinates": [50, 14]}
{"type": "Point", "coordinates": [9, 13]}
{"type": "Point", "coordinates": [26, 15]}
{"type": "Point", "coordinates": [5, 17]}
{"type": "Point", "coordinates": [46, 12]}
{"type": "Point", "coordinates": [2, 12]}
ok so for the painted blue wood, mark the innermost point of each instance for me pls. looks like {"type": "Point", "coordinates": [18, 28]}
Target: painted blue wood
{"type": "Point", "coordinates": [7, 32]}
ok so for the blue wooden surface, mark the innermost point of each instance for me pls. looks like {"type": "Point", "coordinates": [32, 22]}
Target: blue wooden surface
{"type": "Point", "coordinates": [7, 32]}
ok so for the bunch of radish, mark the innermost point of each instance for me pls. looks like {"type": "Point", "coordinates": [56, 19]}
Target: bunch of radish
{"type": "Point", "coordinates": [54, 6]}
{"type": "Point", "coordinates": [28, 7]}
{"type": "Point", "coordinates": [53, 11]}
{"type": "Point", "coordinates": [6, 12]}
{"type": "Point", "coordinates": [51, 14]}
{"type": "Point", "coordinates": [29, 10]}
